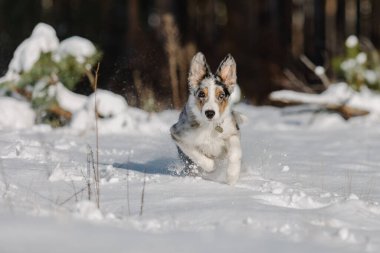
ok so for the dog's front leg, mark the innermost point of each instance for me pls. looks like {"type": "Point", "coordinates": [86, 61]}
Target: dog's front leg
{"type": "Point", "coordinates": [203, 161]}
{"type": "Point", "coordinates": [234, 160]}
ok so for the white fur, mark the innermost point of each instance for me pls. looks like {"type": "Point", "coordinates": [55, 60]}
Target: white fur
{"type": "Point", "coordinates": [234, 159]}
{"type": "Point", "coordinates": [211, 104]}
{"type": "Point", "coordinates": [204, 144]}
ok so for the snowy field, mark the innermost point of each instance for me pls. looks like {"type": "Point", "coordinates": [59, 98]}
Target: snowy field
{"type": "Point", "coordinates": [310, 183]}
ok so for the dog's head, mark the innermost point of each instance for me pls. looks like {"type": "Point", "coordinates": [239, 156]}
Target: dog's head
{"type": "Point", "coordinates": [210, 93]}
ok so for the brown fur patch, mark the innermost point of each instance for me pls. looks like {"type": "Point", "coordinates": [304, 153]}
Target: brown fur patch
{"type": "Point", "coordinates": [202, 101]}
{"type": "Point", "coordinates": [222, 102]}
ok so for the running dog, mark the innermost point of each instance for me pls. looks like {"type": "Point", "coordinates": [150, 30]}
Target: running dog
{"type": "Point", "coordinates": [208, 128]}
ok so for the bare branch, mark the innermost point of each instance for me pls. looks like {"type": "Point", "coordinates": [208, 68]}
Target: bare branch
{"type": "Point", "coordinates": [321, 75]}
{"type": "Point", "coordinates": [296, 83]}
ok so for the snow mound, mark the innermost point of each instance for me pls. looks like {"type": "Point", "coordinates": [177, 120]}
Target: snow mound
{"type": "Point", "coordinates": [110, 108]}
{"type": "Point", "coordinates": [76, 46]}
{"type": "Point", "coordinates": [69, 100]}
{"type": "Point", "coordinates": [115, 116]}
{"type": "Point", "coordinates": [336, 94]}
{"type": "Point", "coordinates": [42, 40]}
{"type": "Point", "coordinates": [16, 114]}
{"type": "Point", "coordinates": [88, 210]}
{"type": "Point", "coordinates": [108, 103]}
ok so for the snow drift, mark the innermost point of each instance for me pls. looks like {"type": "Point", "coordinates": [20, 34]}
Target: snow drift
{"type": "Point", "coordinates": [336, 94]}
{"type": "Point", "coordinates": [15, 114]}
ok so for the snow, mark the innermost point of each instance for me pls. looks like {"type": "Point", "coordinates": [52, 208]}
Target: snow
{"type": "Point", "coordinates": [108, 103]}
{"type": "Point", "coordinates": [309, 184]}
{"type": "Point", "coordinates": [348, 65]}
{"type": "Point", "coordinates": [336, 94]}
{"type": "Point", "coordinates": [69, 100]}
{"type": "Point", "coordinates": [115, 116]}
{"type": "Point", "coordinates": [361, 58]}
{"type": "Point", "coordinates": [87, 210]}
{"type": "Point", "coordinates": [76, 46]}
{"type": "Point", "coordinates": [64, 237]}
{"type": "Point", "coordinates": [43, 40]}
{"type": "Point", "coordinates": [111, 109]}
{"type": "Point", "coordinates": [352, 41]}
{"type": "Point", "coordinates": [15, 114]}
{"type": "Point", "coordinates": [371, 76]}
{"type": "Point", "coordinates": [319, 70]}
{"type": "Point", "coordinates": [285, 168]}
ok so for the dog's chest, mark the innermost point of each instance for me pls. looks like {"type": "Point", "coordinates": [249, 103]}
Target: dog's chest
{"type": "Point", "coordinates": [209, 142]}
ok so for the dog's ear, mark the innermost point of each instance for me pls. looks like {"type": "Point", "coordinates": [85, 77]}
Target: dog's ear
{"type": "Point", "coordinates": [198, 70]}
{"type": "Point", "coordinates": [227, 71]}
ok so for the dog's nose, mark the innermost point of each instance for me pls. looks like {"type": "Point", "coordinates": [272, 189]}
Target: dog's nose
{"type": "Point", "coordinates": [209, 114]}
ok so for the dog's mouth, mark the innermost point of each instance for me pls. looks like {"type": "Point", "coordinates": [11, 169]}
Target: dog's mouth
{"type": "Point", "coordinates": [210, 120]}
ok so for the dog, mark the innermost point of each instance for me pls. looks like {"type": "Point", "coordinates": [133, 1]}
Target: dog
{"type": "Point", "coordinates": [208, 129]}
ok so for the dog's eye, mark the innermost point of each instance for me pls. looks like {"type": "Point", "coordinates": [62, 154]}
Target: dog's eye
{"type": "Point", "coordinates": [221, 96]}
{"type": "Point", "coordinates": [201, 94]}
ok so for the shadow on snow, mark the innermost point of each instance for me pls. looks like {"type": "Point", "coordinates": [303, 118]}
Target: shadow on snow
{"type": "Point", "coordinates": [158, 166]}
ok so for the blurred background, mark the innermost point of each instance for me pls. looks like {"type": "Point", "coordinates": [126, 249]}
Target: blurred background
{"type": "Point", "coordinates": [147, 44]}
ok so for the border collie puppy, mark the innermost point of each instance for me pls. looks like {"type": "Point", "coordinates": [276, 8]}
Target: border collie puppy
{"type": "Point", "coordinates": [207, 128]}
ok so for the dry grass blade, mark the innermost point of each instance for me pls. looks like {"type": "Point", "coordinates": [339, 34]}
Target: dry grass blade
{"type": "Point", "coordinates": [88, 177]}
{"type": "Point", "coordinates": [94, 83]}
{"type": "Point", "coordinates": [143, 194]}
{"type": "Point", "coordinates": [75, 195]}
{"type": "Point", "coordinates": [128, 198]}
{"type": "Point", "coordinates": [97, 137]}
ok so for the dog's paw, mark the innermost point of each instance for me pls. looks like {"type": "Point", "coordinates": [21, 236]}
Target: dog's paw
{"type": "Point", "coordinates": [233, 173]}
{"type": "Point", "coordinates": [207, 164]}
{"type": "Point", "coordinates": [232, 180]}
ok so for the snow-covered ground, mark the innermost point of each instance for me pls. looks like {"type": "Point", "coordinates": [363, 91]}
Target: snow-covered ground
{"type": "Point", "coordinates": [310, 183]}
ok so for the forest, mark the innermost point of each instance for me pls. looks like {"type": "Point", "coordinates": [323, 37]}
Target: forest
{"type": "Point", "coordinates": [147, 45]}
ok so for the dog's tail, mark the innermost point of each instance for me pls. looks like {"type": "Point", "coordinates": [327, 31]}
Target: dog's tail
{"type": "Point", "coordinates": [239, 117]}
{"type": "Point", "coordinates": [235, 95]}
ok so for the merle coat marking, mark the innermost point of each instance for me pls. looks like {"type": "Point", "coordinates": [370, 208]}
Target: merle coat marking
{"type": "Point", "coordinates": [207, 128]}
